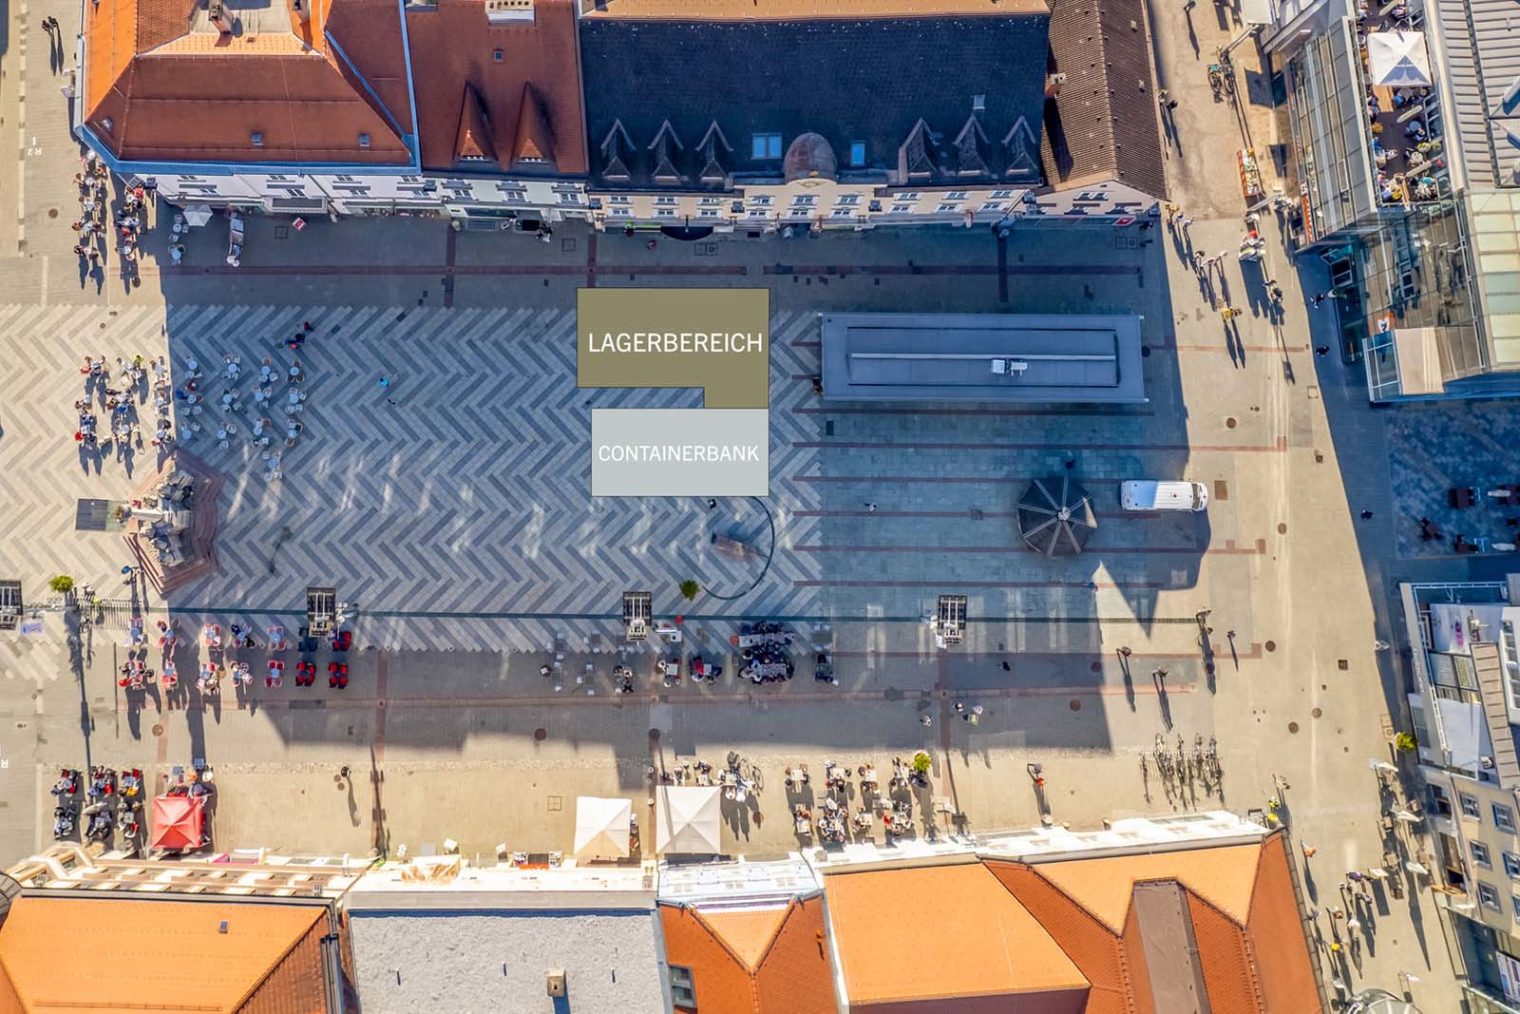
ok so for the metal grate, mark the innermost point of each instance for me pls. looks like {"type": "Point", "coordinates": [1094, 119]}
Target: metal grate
{"type": "Point", "coordinates": [92, 516]}
{"type": "Point", "coordinates": [11, 606]}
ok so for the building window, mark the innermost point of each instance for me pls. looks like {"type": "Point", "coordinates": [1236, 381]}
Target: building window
{"type": "Point", "coordinates": [762, 200]}
{"type": "Point", "coordinates": [848, 200]}
{"type": "Point", "coordinates": [765, 146]}
{"type": "Point", "coordinates": [1092, 195]}
{"type": "Point", "coordinates": [945, 209]}
{"type": "Point", "coordinates": [664, 212]}
{"type": "Point", "coordinates": [707, 212]}
{"type": "Point", "coordinates": [619, 199]}
{"type": "Point", "coordinates": [1470, 806]}
{"type": "Point", "coordinates": [619, 212]}
{"type": "Point", "coordinates": [844, 213]}
{"type": "Point", "coordinates": [498, 55]}
{"type": "Point", "coordinates": [1440, 801]}
{"type": "Point", "coordinates": [1488, 896]}
{"type": "Point", "coordinates": [1481, 855]}
{"type": "Point", "coordinates": [957, 195]}
{"type": "Point", "coordinates": [665, 200]}
{"type": "Point", "coordinates": [1512, 865]}
{"type": "Point", "coordinates": [710, 202]}
{"type": "Point", "coordinates": [565, 197]}
{"type": "Point", "coordinates": [1001, 195]}
{"type": "Point", "coordinates": [857, 153]}
{"type": "Point", "coordinates": [256, 139]}
{"type": "Point", "coordinates": [901, 209]}
{"type": "Point", "coordinates": [682, 993]}
{"type": "Point", "coordinates": [1504, 818]}
{"type": "Point", "coordinates": [1514, 900]}
{"type": "Point", "coordinates": [804, 200]}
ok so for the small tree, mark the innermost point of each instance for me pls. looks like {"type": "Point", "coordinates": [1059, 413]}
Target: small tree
{"type": "Point", "coordinates": [690, 589]}
{"type": "Point", "coordinates": [1405, 742]}
{"type": "Point", "coordinates": [922, 762]}
{"type": "Point", "coordinates": [62, 584]}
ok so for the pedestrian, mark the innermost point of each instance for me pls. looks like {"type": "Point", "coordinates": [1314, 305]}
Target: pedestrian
{"type": "Point", "coordinates": [385, 383]}
{"type": "Point", "coordinates": [1184, 223]}
{"type": "Point", "coordinates": [925, 721]}
{"type": "Point", "coordinates": [1319, 298]}
{"type": "Point", "coordinates": [1229, 313]}
{"type": "Point", "coordinates": [1366, 515]}
{"type": "Point", "coordinates": [960, 707]}
{"type": "Point", "coordinates": [1006, 666]}
{"type": "Point", "coordinates": [1125, 651]}
{"type": "Point", "coordinates": [871, 507]}
{"type": "Point", "coordinates": [1322, 350]}
{"type": "Point", "coordinates": [1355, 876]}
{"type": "Point", "coordinates": [1308, 849]}
{"type": "Point", "coordinates": [712, 504]}
{"type": "Point", "coordinates": [307, 326]}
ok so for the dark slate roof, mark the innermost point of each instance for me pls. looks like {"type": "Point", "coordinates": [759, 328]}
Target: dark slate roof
{"type": "Point", "coordinates": [870, 80]}
{"type": "Point", "coordinates": [1103, 125]}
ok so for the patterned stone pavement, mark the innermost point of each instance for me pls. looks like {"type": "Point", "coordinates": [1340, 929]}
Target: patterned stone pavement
{"type": "Point", "coordinates": [452, 510]}
{"type": "Point", "coordinates": [1434, 448]}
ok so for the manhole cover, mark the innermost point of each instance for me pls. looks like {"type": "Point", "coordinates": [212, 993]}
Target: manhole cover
{"type": "Point", "coordinates": [1342, 664]}
{"type": "Point", "coordinates": [1075, 705]}
{"type": "Point", "coordinates": [540, 734]}
{"type": "Point", "coordinates": [1282, 529]}
{"type": "Point", "coordinates": [52, 212]}
{"type": "Point", "coordinates": [1231, 423]}
{"type": "Point", "coordinates": [1292, 726]}
{"type": "Point", "coordinates": [1096, 667]}
{"type": "Point", "coordinates": [654, 735]}
{"type": "Point", "coordinates": [1270, 646]}
{"type": "Point", "coordinates": [1316, 712]}
{"type": "Point", "coordinates": [158, 730]}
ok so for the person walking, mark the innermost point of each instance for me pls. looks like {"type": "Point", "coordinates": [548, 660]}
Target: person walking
{"type": "Point", "coordinates": [871, 507]}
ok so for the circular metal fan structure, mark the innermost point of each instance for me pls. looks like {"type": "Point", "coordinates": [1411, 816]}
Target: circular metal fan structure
{"type": "Point", "coordinates": [1056, 517]}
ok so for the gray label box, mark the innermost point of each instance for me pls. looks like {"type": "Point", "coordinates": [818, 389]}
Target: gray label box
{"type": "Point", "coordinates": [680, 452]}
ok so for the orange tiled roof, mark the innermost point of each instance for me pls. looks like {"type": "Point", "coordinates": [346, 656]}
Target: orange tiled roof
{"type": "Point", "coordinates": [930, 933]}
{"type": "Point", "coordinates": [193, 965]}
{"type": "Point", "coordinates": [161, 83]}
{"type": "Point", "coordinates": [454, 47]}
{"type": "Point", "coordinates": [770, 960]}
{"type": "Point", "coordinates": [1225, 876]}
{"type": "Point", "coordinates": [1252, 952]}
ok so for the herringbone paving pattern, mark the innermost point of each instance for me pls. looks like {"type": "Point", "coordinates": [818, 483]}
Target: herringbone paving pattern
{"type": "Point", "coordinates": [462, 489]}
{"type": "Point", "coordinates": [452, 509]}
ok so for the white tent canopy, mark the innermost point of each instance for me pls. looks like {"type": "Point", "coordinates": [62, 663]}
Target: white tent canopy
{"type": "Point", "coordinates": [601, 827]}
{"type": "Point", "coordinates": [687, 819]}
{"type": "Point", "coordinates": [196, 214]}
{"type": "Point", "coordinates": [1398, 58]}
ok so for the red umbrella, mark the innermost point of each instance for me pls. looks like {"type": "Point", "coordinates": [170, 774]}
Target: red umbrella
{"type": "Point", "coordinates": [177, 822]}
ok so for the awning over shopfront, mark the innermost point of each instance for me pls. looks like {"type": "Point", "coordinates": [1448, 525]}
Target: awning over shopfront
{"type": "Point", "coordinates": [177, 822]}
{"type": "Point", "coordinates": [601, 827]}
{"type": "Point", "coordinates": [687, 820]}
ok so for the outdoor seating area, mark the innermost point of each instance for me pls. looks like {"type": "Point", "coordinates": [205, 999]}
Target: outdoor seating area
{"type": "Point", "coordinates": [762, 653]}
{"type": "Point", "coordinates": [1406, 145]}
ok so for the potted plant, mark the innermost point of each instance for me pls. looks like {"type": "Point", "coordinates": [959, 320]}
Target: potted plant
{"type": "Point", "coordinates": [62, 584]}
{"type": "Point", "coordinates": [922, 762]}
{"type": "Point", "coordinates": [690, 589]}
{"type": "Point", "coordinates": [1405, 742]}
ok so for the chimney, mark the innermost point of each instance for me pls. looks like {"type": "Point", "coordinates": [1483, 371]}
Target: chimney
{"type": "Point", "coordinates": [1053, 85]}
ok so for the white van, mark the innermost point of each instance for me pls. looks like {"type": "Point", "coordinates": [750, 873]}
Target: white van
{"type": "Point", "coordinates": [1150, 495]}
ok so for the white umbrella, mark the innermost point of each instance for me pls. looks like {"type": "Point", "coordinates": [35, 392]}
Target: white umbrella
{"type": "Point", "coordinates": [601, 827]}
{"type": "Point", "coordinates": [1406, 816]}
{"type": "Point", "coordinates": [1398, 58]}
{"type": "Point", "coordinates": [1378, 765]}
{"type": "Point", "coordinates": [687, 819]}
{"type": "Point", "coordinates": [196, 214]}
{"type": "Point", "coordinates": [1414, 867]}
